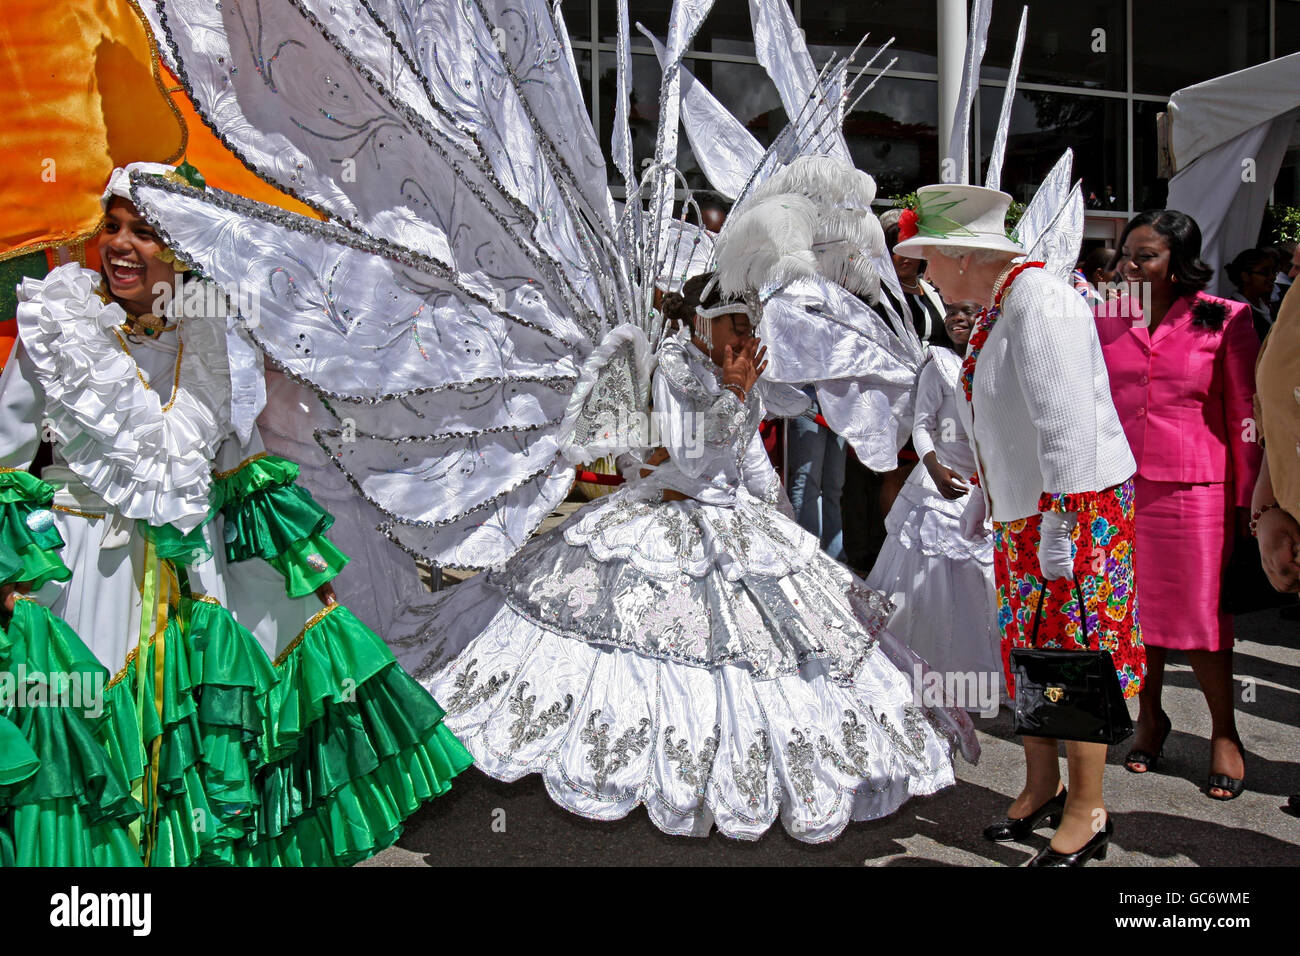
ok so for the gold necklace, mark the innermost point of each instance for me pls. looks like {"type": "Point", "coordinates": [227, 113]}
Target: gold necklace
{"type": "Point", "coordinates": [1002, 277]}
{"type": "Point", "coordinates": [146, 323]}
{"type": "Point", "coordinates": [176, 377]}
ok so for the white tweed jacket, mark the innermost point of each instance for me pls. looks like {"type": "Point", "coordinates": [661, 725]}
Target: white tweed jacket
{"type": "Point", "coordinates": [1041, 417]}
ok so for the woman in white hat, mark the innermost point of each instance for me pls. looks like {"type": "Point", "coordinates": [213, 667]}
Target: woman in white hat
{"type": "Point", "coordinates": [1054, 472]}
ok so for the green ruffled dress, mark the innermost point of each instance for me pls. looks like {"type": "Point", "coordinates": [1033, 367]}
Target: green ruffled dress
{"type": "Point", "coordinates": [203, 750]}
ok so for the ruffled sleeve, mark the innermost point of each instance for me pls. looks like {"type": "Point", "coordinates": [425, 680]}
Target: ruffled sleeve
{"type": "Point", "coordinates": [761, 479]}
{"type": "Point", "coordinates": [147, 461]}
{"type": "Point", "coordinates": [29, 541]}
{"type": "Point", "coordinates": [270, 517]}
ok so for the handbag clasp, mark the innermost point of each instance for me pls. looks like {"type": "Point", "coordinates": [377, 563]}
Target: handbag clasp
{"type": "Point", "coordinates": [1054, 694]}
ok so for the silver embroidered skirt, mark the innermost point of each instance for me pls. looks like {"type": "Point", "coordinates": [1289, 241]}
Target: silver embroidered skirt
{"type": "Point", "coordinates": [711, 663]}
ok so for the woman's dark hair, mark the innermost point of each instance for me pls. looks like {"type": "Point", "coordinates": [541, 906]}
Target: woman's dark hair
{"type": "Point", "coordinates": [891, 236]}
{"type": "Point", "coordinates": [1246, 261]}
{"type": "Point", "coordinates": [680, 306]}
{"type": "Point", "coordinates": [1100, 258]}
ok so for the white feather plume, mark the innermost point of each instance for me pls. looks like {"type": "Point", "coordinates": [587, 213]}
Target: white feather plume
{"type": "Point", "coordinates": [767, 243]}
{"type": "Point", "coordinates": [847, 235]}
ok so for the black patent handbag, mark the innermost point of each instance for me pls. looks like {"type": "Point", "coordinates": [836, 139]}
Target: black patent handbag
{"type": "Point", "coordinates": [1069, 695]}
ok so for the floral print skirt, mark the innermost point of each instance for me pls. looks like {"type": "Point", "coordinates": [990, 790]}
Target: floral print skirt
{"type": "Point", "coordinates": [1103, 565]}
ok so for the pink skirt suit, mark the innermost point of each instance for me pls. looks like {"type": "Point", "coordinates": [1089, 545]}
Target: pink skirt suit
{"type": "Point", "coordinates": [1184, 396]}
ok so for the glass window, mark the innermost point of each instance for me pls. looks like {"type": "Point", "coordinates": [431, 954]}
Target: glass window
{"type": "Point", "coordinates": [1180, 42]}
{"type": "Point", "coordinates": [652, 14]}
{"type": "Point", "coordinates": [1042, 126]}
{"type": "Point", "coordinates": [643, 117]}
{"type": "Point", "coordinates": [1149, 190]}
{"type": "Point", "coordinates": [1079, 44]}
{"type": "Point", "coordinates": [892, 135]}
{"type": "Point", "coordinates": [1287, 37]}
{"type": "Point", "coordinates": [582, 60]}
{"type": "Point", "coordinates": [1286, 188]}
{"type": "Point", "coordinates": [577, 18]}
{"type": "Point", "coordinates": [837, 27]}
{"type": "Point", "coordinates": [727, 29]}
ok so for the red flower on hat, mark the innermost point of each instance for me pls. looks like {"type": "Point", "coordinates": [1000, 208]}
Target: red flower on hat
{"type": "Point", "coordinates": [907, 224]}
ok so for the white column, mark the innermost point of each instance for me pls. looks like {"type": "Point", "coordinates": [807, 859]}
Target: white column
{"type": "Point", "coordinates": [953, 21]}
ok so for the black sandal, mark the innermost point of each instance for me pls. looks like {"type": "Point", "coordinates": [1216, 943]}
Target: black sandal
{"type": "Point", "coordinates": [1149, 761]}
{"type": "Point", "coordinates": [1221, 781]}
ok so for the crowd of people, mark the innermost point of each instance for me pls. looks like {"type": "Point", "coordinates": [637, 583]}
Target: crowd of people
{"type": "Point", "coordinates": [1181, 379]}
{"type": "Point", "coordinates": [1063, 466]}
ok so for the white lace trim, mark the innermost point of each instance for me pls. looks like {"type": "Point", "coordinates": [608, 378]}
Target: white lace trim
{"type": "Point", "coordinates": [111, 430]}
{"type": "Point", "coordinates": [609, 730]}
{"type": "Point", "coordinates": [749, 539]}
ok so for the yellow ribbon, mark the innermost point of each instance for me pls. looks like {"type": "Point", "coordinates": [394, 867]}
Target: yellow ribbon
{"type": "Point", "coordinates": [159, 594]}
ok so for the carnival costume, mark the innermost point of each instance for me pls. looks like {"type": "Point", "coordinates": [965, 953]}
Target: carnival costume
{"type": "Point", "coordinates": [482, 318]}
{"type": "Point", "coordinates": [173, 565]}
{"type": "Point", "coordinates": [939, 580]}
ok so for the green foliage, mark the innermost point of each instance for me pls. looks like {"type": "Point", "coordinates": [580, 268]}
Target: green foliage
{"type": "Point", "coordinates": [904, 201]}
{"type": "Point", "coordinates": [1281, 224]}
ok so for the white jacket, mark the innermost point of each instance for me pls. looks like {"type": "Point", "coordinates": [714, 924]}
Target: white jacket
{"type": "Point", "coordinates": [1043, 420]}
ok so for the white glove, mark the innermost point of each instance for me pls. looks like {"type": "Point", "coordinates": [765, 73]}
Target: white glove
{"type": "Point", "coordinates": [973, 523]}
{"type": "Point", "coordinates": [1055, 549]}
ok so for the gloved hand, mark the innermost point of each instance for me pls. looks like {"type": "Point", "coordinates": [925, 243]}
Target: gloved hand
{"type": "Point", "coordinates": [1055, 549]}
{"type": "Point", "coordinates": [973, 523]}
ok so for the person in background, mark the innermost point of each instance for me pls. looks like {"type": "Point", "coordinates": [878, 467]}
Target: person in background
{"type": "Point", "coordinates": [1253, 273]}
{"type": "Point", "coordinates": [923, 302]}
{"type": "Point", "coordinates": [1182, 377]}
{"type": "Point", "coordinates": [1098, 275]}
{"type": "Point", "coordinates": [940, 581]}
{"type": "Point", "coordinates": [1288, 264]}
{"type": "Point", "coordinates": [1275, 504]}
{"type": "Point", "coordinates": [927, 311]}
{"type": "Point", "coordinates": [817, 460]}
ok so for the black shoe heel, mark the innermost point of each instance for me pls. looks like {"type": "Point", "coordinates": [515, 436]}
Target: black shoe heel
{"type": "Point", "coordinates": [1144, 758]}
{"type": "Point", "coordinates": [1094, 849]}
{"type": "Point", "coordinates": [1013, 828]}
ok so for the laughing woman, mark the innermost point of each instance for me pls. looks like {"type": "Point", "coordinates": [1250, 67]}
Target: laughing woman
{"type": "Point", "coordinates": [247, 716]}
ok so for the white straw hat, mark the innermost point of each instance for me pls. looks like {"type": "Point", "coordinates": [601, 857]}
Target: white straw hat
{"type": "Point", "coordinates": [952, 214]}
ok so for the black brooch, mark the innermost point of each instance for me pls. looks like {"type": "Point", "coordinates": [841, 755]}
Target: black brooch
{"type": "Point", "coordinates": [1209, 315]}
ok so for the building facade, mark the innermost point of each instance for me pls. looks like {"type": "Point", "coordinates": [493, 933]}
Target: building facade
{"type": "Point", "coordinates": [1093, 77]}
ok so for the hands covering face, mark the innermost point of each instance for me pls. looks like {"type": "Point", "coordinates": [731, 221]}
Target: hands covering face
{"type": "Point", "coordinates": [742, 366]}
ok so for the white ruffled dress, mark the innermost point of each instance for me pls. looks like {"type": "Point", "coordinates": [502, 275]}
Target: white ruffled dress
{"type": "Point", "coordinates": [70, 377]}
{"type": "Point", "coordinates": [940, 582]}
{"type": "Point", "coordinates": [257, 725]}
{"type": "Point", "coordinates": [703, 658]}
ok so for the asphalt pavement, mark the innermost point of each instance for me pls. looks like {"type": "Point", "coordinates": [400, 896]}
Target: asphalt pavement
{"type": "Point", "coordinates": [1162, 818]}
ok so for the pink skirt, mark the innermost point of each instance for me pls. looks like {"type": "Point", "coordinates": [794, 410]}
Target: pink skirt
{"type": "Point", "coordinates": [1184, 540]}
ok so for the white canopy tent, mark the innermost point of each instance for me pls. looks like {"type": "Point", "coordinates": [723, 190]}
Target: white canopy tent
{"type": "Point", "coordinates": [1226, 139]}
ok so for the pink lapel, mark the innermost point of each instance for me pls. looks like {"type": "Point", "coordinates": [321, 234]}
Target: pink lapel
{"type": "Point", "coordinates": [1179, 314]}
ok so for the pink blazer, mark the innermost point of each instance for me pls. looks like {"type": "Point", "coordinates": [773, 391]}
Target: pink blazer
{"type": "Point", "coordinates": [1184, 394]}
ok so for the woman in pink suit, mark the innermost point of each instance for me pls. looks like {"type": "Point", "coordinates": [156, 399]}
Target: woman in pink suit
{"type": "Point", "coordinates": [1182, 378]}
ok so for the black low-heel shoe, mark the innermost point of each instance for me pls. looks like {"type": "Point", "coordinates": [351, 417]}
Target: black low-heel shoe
{"type": "Point", "coordinates": [1094, 848]}
{"type": "Point", "coordinates": [1011, 828]}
